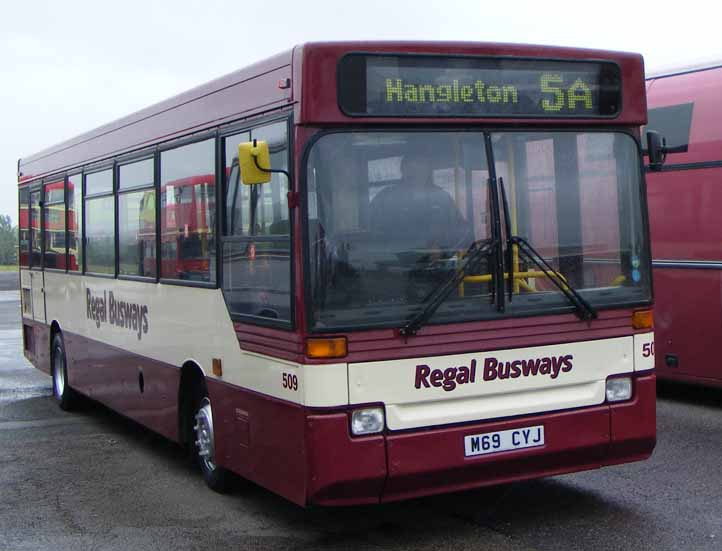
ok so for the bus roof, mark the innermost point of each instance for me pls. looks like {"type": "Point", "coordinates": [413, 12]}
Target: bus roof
{"type": "Point", "coordinates": [684, 69]}
{"type": "Point", "coordinates": [305, 79]}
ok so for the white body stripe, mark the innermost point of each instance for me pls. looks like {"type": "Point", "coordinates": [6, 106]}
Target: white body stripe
{"type": "Point", "coordinates": [188, 323]}
{"type": "Point", "coordinates": [193, 323]}
{"type": "Point", "coordinates": [395, 383]}
{"type": "Point", "coordinates": [644, 352]}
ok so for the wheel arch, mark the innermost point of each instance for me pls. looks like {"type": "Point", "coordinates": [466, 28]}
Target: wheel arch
{"type": "Point", "coordinates": [192, 383]}
{"type": "Point", "coordinates": [54, 330]}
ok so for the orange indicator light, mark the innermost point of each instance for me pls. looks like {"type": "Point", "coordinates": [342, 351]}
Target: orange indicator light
{"type": "Point", "coordinates": [643, 319]}
{"type": "Point", "coordinates": [333, 347]}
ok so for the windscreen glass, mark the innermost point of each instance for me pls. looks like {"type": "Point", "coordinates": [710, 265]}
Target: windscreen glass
{"type": "Point", "coordinates": [392, 214]}
{"type": "Point", "coordinates": [575, 198]}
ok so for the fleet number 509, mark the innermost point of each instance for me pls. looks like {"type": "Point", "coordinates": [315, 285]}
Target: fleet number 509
{"type": "Point", "coordinates": [290, 381]}
{"type": "Point", "coordinates": [647, 349]}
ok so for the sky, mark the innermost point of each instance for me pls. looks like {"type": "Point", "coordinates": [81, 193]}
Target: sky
{"type": "Point", "coordinates": [69, 66]}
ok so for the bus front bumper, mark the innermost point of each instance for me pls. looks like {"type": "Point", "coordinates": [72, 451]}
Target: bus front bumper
{"type": "Point", "coordinates": [345, 470]}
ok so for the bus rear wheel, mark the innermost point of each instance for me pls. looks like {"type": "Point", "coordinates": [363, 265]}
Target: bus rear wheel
{"type": "Point", "coordinates": [203, 439]}
{"type": "Point", "coordinates": [66, 398]}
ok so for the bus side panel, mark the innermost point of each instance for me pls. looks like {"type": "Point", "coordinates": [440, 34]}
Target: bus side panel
{"type": "Point", "coordinates": [686, 227]}
{"type": "Point", "coordinates": [260, 438]}
{"type": "Point", "coordinates": [140, 388]}
{"type": "Point", "coordinates": [37, 344]}
{"type": "Point", "coordinates": [684, 218]}
{"type": "Point", "coordinates": [688, 322]}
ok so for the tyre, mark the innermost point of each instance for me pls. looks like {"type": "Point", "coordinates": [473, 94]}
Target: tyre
{"type": "Point", "coordinates": [65, 396]}
{"type": "Point", "coordinates": [217, 478]}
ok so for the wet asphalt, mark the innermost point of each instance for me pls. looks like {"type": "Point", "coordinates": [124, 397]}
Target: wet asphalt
{"type": "Point", "coordinates": [94, 480]}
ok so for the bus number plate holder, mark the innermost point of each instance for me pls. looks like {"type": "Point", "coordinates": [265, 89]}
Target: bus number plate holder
{"type": "Point", "coordinates": [503, 440]}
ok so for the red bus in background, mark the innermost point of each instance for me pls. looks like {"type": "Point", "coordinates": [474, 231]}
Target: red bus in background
{"type": "Point", "coordinates": [443, 283]}
{"type": "Point", "coordinates": [685, 198]}
{"type": "Point", "coordinates": [188, 205]}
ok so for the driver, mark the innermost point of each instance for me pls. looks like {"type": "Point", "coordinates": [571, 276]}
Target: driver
{"type": "Point", "coordinates": [418, 212]}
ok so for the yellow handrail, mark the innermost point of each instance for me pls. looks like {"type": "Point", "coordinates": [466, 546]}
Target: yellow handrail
{"type": "Point", "coordinates": [517, 275]}
{"type": "Point", "coordinates": [519, 278]}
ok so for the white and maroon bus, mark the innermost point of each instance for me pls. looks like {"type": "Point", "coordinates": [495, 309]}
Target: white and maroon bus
{"type": "Point", "coordinates": [685, 221]}
{"type": "Point", "coordinates": [445, 283]}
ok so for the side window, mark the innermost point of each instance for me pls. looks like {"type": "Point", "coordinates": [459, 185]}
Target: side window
{"type": "Point", "coordinates": [257, 256]}
{"type": "Point", "coordinates": [188, 212]}
{"type": "Point", "coordinates": [54, 225]}
{"type": "Point", "coordinates": [36, 241]}
{"type": "Point", "coordinates": [24, 227]}
{"type": "Point", "coordinates": [75, 222]}
{"type": "Point", "coordinates": [235, 195]}
{"type": "Point", "coordinates": [673, 123]}
{"type": "Point", "coordinates": [99, 223]}
{"type": "Point", "coordinates": [136, 219]}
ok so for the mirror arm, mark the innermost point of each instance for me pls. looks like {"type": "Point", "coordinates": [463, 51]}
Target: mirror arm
{"type": "Point", "coordinates": [271, 170]}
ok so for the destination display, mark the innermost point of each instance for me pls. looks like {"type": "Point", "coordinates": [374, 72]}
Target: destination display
{"type": "Point", "coordinates": [441, 86]}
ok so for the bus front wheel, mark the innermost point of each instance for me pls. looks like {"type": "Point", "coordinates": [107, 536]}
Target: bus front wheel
{"type": "Point", "coordinates": [203, 444]}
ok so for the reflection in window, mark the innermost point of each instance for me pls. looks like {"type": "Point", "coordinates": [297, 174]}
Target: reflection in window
{"type": "Point", "coordinates": [36, 243]}
{"type": "Point", "coordinates": [390, 216]}
{"type": "Point", "coordinates": [256, 260]}
{"type": "Point", "coordinates": [136, 219]}
{"type": "Point", "coordinates": [99, 241]}
{"type": "Point", "coordinates": [188, 212]}
{"type": "Point", "coordinates": [99, 182]}
{"type": "Point", "coordinates": [24, 227]}
{"type": "Point", "coordinates": [136, 175]}
{"type": "Point", "coordinates": [54, 225]}
{"type": "Point", "coordinates": [75, 224]}
{"type": "Point", "coordinates": [575, 198]}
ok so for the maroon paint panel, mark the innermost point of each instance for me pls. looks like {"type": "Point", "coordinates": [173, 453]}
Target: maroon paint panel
{"type": "Point", "coordinates": [634, 423]}
{"type": "Point", "coordinates": [574, 441]}
{"type": "Point", "coordinates": [684, 215]}
{"type": "Point", "coordinates": [320, 60]}
{"type": "Point", "coordinates": [38, 352]}
{"type": "Point", "coordinates": [110, 376]}
{"type": "Point", "coordinates": [260, 438]}
{"type": "Point", "coordinates": [343, 470]}
{"type": "Point", "coordinates": [688, 324]}
{"type": "Point", "coordinates": [435, 340]}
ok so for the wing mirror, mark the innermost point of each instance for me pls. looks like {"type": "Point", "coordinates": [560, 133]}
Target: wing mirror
{"type": "Point", "coordinates": [254, 161]}
{"type": "Point", "coordinates": [656, 150]}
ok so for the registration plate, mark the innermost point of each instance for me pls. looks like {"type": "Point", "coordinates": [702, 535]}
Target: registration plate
{"type": "Point", "coordinates": [503, 440]}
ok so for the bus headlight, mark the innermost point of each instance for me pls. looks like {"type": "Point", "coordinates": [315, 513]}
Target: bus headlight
{"type": "Point", "coordinates": [367, 421]}
{"type": "Point", "coordinates": [619, 389]}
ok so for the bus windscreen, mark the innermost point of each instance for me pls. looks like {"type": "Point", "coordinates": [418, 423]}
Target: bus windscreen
{"type": "Point", "coordinates": [373, 85]}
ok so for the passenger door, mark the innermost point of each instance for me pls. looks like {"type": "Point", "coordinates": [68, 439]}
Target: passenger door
{"type": "Point", "coordinates": [37, 276]}
{"type": "Point", "coordinates": [257, 257]}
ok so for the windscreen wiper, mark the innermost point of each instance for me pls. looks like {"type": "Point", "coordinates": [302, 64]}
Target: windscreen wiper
{"type": "Point", "coordinates": [432, 302]}
{"type": "Point", "coordinates": [584, 310]}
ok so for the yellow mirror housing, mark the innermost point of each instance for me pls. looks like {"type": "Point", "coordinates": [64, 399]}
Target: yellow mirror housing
{"type": "Point", "coordinates": [248, 153]}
